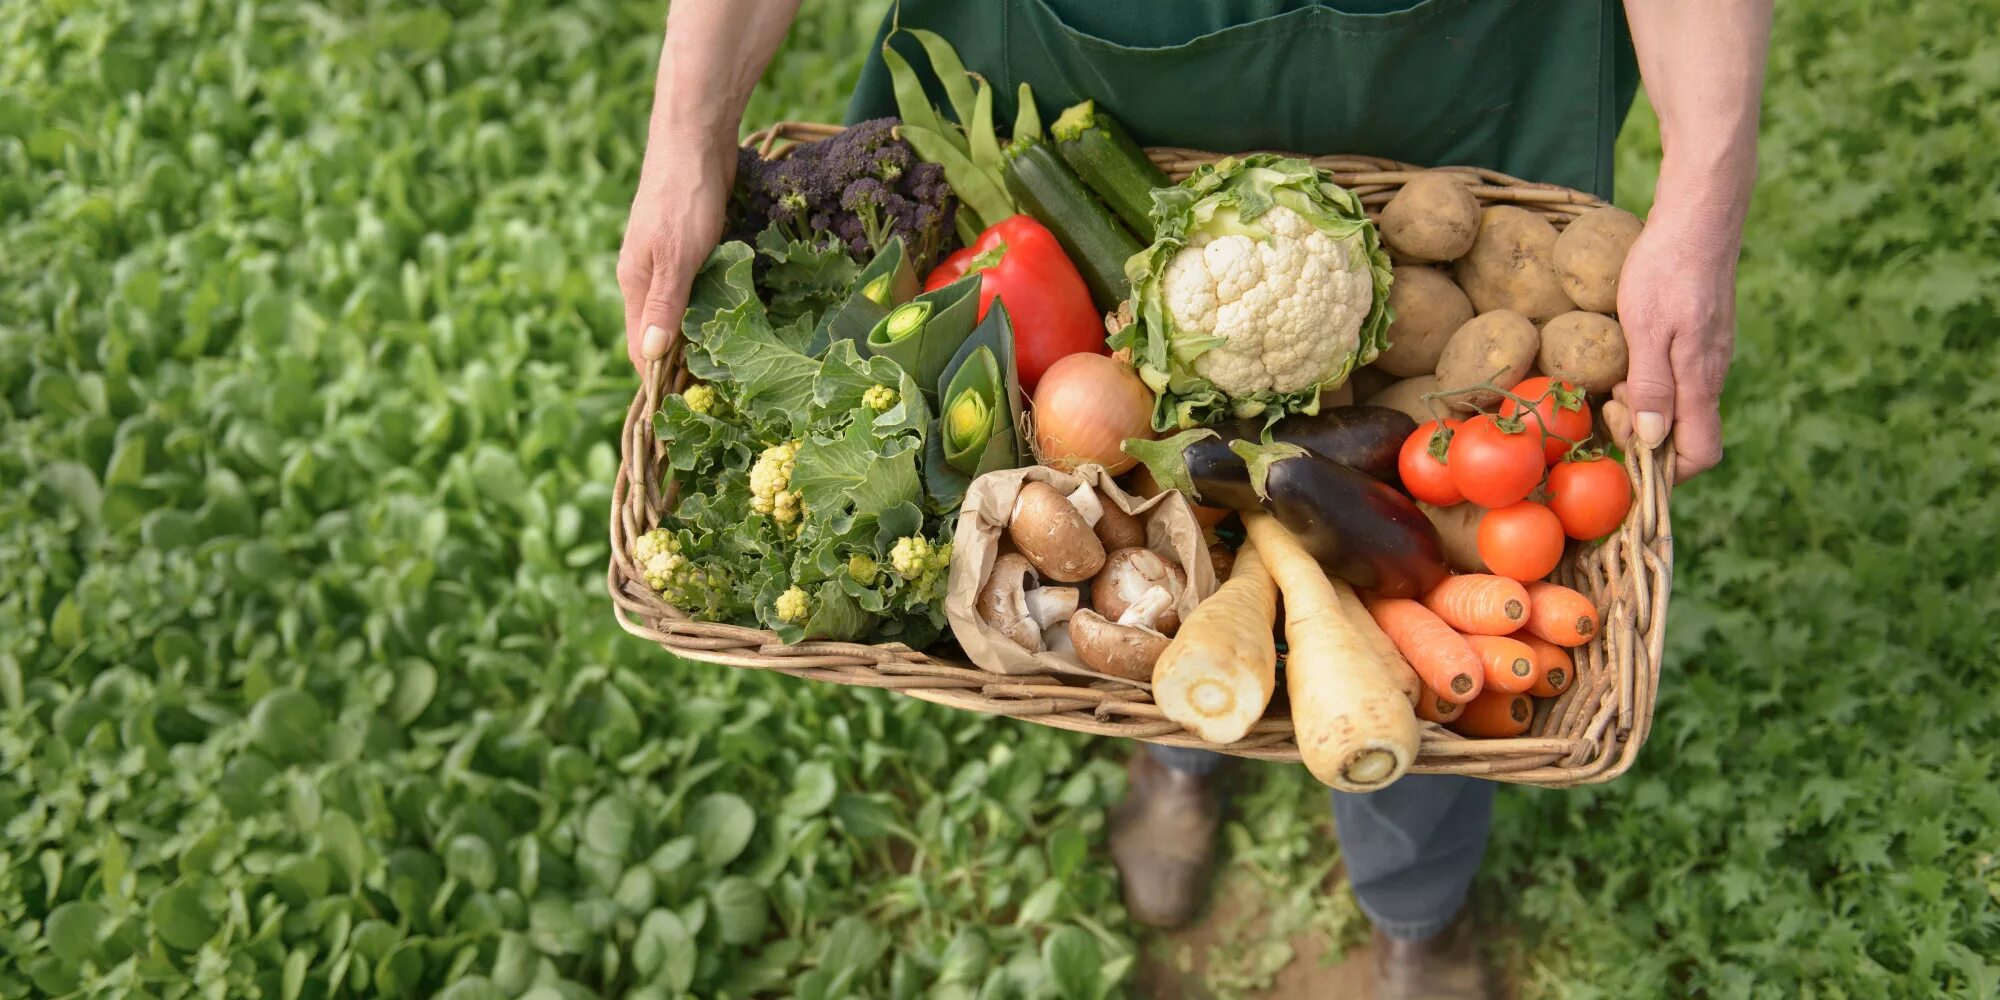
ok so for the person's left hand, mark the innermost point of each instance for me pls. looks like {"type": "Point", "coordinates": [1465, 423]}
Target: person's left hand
{"type": "Point", "coordinates": [1677, 303]}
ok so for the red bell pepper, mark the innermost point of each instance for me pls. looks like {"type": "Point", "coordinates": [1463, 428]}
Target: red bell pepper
{"type": "Point", "coordinates": [1018, 259]}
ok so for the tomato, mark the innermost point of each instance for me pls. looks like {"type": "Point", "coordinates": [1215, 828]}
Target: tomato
{"type": "Point", "coordinates": [1591, 498]}
{"type": "Point", "coordinates": [1492, 467]}
{"type": "Point", "coordinates": [1523, 541]}
{"type": "Point", "coordinates": [1564, 414]}
{"type": "Point", "coordinates": [1423, 475]}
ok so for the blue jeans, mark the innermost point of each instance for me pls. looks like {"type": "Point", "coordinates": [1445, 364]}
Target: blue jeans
{"type": "Point", "coordinates": [1411, 849]}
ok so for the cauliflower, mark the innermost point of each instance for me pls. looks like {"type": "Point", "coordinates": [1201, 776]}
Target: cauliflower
{"type": "Point", "coordinates": [879, 398]}
{"type": "Point", "coordinates": [1266, 284]}
{"type": "Point", "coordinates": [863, 569]}
{"type": "Point", "coordinates": [770, 480]}
{"type": "Point", "coordinates": [1287, 311]}
{"type": "Point", "coordinates": [793, 606]}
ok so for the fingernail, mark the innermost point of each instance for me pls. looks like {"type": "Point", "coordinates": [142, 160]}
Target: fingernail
{"type": "Point", "coordinates": [654, 344]}
{"type": "Point", "coordinates": [1652, 428]}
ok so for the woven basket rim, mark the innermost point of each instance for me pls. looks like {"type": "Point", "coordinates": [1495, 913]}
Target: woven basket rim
{"type": "Point", "coordinates": [1590, 734]}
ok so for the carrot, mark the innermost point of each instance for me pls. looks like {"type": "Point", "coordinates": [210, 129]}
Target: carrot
{"type": "Point", "coordinates": [1495, 713]}
{"type": "Point", "coordinates": [1357, 613]}
{"type": "Point", "coordinates": [1434, 707]}
{"type": "Point", "coordinates": [1441, 656]}
{"type": "Point", "coordinates": [1480, 603]}
{"type": "Point", "coordinates": [1509, 663]}
{"type": "Point", "coordinates": [1217, 676]}
{"type": "Point", "coordinates": [1353, 723]}
{"type": "Point", "coordinates": [1560, 615]}
{"type": "Point", "coordinates": [1554, 671]}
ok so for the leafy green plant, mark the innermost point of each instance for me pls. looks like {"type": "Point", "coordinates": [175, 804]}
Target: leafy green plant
{"type": "Point", "coordinates": [307, 684]}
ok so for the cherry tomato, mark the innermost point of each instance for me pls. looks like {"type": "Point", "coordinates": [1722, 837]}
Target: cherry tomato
{"type": "Point", "coordinates": [1564, 414]}
{"type": "Point", "coordinates": [1423, 475]}
{"type": "Point", "coordinates": [1523, 541]}
{"type": "Point", "coordinates": [1591, 498]}
{"type": "Point", "coordinates": [1492, 467]}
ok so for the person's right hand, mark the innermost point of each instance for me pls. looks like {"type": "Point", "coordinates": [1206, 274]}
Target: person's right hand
{"type": "Point", "coordinates": [676, 220]}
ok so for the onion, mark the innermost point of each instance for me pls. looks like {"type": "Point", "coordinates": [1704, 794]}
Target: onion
{"type": "Point", "coordinates": [1085, 407]}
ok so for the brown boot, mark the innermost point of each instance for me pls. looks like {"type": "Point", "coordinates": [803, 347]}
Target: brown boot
{"type": "Point", "coordinates": [1163, 841]}
{"type": "Point", "coordinates": [1445, 966]}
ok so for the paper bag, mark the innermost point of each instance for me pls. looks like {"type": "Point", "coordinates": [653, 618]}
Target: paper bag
{"type": "Point", "coordinates": [1171, 531]}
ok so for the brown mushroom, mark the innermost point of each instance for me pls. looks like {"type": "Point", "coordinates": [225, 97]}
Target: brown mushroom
{"type": "Point", "coordinates": [1119, 530]}
{"type": "Point", "coordinates": [1058, 641]}
{"type": "Point", "coordinates": [1053, 536]}
{"type": "Point", "coordinates": [1128, 575]}
{"type": "Point", "coordinates": [1026, 614]}
{"type": "Point", "coordinates": [1087, 502]}
{"type": "Point", "coordinates": [1003, 603]}
{"type": "Point", "coordinates": [1153, 609]}
{"type": "Point", "coordinates": [1120, 650]}
{"type": "Point", "coordinates": [1051, 606]}
{"type": "Point", "coordinates": [1223, 559]}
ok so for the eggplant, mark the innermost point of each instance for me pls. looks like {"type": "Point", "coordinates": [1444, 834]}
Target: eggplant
{"type": "Point", "coordinates": [1360, 529]}
{"type": "Point", "coordinates": [1367, 439]}
{"type": "Point", "coordinates": [1199, 463]}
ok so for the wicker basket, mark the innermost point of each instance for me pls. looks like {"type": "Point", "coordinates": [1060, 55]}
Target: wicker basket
{"type": "Point", "coordinates": [1590, 734]}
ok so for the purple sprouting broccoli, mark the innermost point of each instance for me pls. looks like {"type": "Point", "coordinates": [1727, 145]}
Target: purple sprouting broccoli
{"type": "Point", "coordinates": [861, 188]}
{"type": "Point", "coordinates": [887, 163]}
{"type": "Point", "coordinates": [864, 214]}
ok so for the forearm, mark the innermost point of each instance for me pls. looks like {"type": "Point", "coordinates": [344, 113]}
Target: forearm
{"type": "Point", "coordinates": [713, 54]}
{"type": "Point", "coordinates": [710, 60]}
{"type": "Point", "coordinates": [1703, 66]}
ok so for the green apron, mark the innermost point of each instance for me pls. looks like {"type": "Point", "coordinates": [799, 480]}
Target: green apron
{"type": "Point", "coordinates": [1532, 88]}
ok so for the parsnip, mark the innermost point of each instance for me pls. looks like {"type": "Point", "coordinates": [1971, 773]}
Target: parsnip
{"type": "Point", "coordinates": [1357, 615]}
{"type": "Point", "coordinates": [1355, 726]}
{"type": "Point", "coordinates": [1217, 676]}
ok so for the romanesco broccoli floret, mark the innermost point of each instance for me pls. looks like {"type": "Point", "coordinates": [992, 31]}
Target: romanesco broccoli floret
{"type": "Point", "coordinates": [658, 553]}
{"type": "Point", "coordinates": [879, 398]}
{"type": "Point", "coordinates": [911, 556]}
{"type": "Point", "coordinates": [915, 559]}
{"type": "Point", "coordinates": [682, 582]}
{"type": "Point", "coordinates": [701, 398]}
{"type": "Point", "coordinates": [770, 482]}
{"type": "Point", "coordinates": [793, 606]}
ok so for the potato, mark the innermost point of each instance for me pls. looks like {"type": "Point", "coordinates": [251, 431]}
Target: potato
{"type": "Point", "coordinates": [1408, 396]}
{"type": "Point", "coordinates": [1591, 252]}
{"type": "Point", "coordinates": [1511, 265]}
{"type": "Point", "coordinates": [1429, 309]}
{"type": "Point", "coordinates": [1433, 217]}
{"type": "Point", "coordinates": [1340, 395]}
{"type": "Point", "coordinates": [1585, 349]}
{"type": "Point", "coordinates": [1458, 534]}
{"type": "Point", "coordinates": [1497, 345]}
{"type": "Point", "coordinates": [1368, 380]}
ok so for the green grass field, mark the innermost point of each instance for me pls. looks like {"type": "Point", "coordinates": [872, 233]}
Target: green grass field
{"type": "Point", "coordinates": [309, 389]}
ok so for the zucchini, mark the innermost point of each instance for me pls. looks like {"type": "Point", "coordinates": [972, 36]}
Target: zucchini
{"type": "Point", "coordinates": [1094, 239]}
{"type": "Point", "coordinates": [1105, 157]}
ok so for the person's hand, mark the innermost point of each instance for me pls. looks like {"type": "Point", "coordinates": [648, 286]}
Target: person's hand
{"type": "Point", "coordinates": [676, 220]}
{"type": "Point", "coordinates": [1677, 302]}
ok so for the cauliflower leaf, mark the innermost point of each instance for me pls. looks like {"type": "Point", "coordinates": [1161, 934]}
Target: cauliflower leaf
{"type": "Point", "coordinates": [798, 466]}
{"type": "Point", "coordinates": [856, 470]}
